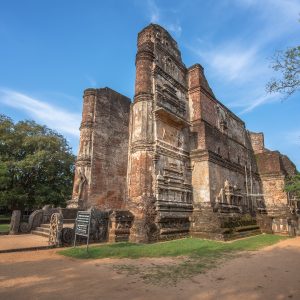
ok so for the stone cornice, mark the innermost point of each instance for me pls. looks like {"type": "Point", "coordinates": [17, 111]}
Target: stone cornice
{"type": "Point", "coordinates": [206, 155]}
{"type": "Point", "coordinates": [272, 176]}
{"type": "Point", "coordinates": [143, 97]}
{"type": "Point", "coordinates": [141, 146]}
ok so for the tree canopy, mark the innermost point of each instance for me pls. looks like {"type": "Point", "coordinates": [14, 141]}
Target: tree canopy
{"type": "Point", "coordinates": [287, 65]}
{"type": "Point", "coordinates": [293, 185]}
{"type": "Point", "coordinates": [36, 165]}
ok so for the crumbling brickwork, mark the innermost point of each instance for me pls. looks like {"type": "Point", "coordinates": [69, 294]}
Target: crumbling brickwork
{"type": "Point", "coordinates": [221, 158]}
{"type": "Point", "coordinates": [257, 141]}
{"type": "Point", "coordinates": [101, 166]}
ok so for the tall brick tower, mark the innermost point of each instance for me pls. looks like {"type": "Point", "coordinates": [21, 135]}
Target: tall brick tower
{"type": "Point", "coordinates": [159, 175]}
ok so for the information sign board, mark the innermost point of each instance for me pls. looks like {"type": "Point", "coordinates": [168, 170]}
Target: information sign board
{"type": "Point", "coordinates": [82, 225]}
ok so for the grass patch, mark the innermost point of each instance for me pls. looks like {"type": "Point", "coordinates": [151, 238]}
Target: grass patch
{"type": "Point", "coordinates": [195, 256]}
{"type": "Point", "coordinates": [183, 247]}
{"type": "Point", "coordinates": [4, 227]}
{"type": "Point", "coordinates": [5, 218]}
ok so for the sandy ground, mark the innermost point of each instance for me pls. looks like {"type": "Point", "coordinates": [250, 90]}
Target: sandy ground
{"type": "Point", "coordinates": [10, 242]}
{"type": "Point", "coordinates": [271, 273]}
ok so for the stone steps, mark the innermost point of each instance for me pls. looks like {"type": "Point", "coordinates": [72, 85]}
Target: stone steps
{"type": "Point", "coordinates": [46, 226]}
{"type": "Point", "coordinates": [44, 229]}
{"type": "Point", "coordinates": [40, 233]}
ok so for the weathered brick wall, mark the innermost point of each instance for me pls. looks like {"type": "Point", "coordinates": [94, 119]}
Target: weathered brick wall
{"type": "Point", "coordinates": [220, 133]}
{"type": "Point", "coordinates": [288, 166]}
{"type": "Point", "coordinates": [221, 155]}
{"type": "Point", "coordinates": [101, 166]}
{"type": "Point", "coordinates": [269, 162]}
{"type": "Point", "coordinates": [274, 168]}
{"type": "Point", "coordinates": [274, 195]}
{"type": "Point", "coordinates": [110, 150]}
{"type": "Point", "coordinates": [257, 141]}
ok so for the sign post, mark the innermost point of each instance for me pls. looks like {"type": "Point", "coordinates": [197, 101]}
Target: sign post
{"type": "Point", "coordinates": [82, 226]}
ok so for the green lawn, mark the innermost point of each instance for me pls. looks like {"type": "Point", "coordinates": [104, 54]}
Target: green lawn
{"type": "Point", "coordinates": [192, 247]}
{"type": "Point", "coordinates": [4, 227]}
{"type": "Point", "coordinates": [5, 218]}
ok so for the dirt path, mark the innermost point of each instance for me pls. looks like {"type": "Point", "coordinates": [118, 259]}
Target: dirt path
{"type": "Point", "coordinates": [22, 241]}
{"type": "Point", "coordinates": [272, 273]}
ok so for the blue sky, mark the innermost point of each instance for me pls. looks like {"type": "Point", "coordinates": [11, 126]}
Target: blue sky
{"type": "Point", "coordinates": [52, 50]}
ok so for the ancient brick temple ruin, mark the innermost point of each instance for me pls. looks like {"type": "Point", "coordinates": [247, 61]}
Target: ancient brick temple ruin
{"type": "Point", "coordinates": [176, 159]}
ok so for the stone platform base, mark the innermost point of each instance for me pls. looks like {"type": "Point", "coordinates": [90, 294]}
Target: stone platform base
{"type": "Point", "coordinates": [209, 224]}
{"type": "Point", "coordinates": [228, 234]}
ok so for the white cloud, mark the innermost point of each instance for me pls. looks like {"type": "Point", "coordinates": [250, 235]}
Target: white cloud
{"type": "Point", "coordinates": [264, 99]}
{"type": "Point", "coordinates": [175, 28]}
{"type": "Point", "coordinates": [154, 11]}
{"type": "Point", "coordinates": [278, 16]}
{"type": "Point", "coordinates": [156, 16]}
{"type": "Point", "coordinates": [230, 61]}
{"type": "Point", "coordinates": [53, 116]}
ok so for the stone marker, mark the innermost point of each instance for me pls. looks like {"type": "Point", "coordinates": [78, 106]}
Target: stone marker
{"type": "Point", "coordinates": [15, 222]}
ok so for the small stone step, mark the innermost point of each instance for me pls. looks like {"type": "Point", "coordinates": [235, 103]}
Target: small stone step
{"type": "Point", "coordinates": [42, 229]}
{"type": "Point", "coordinates": [45, 225]}
{"type": "Point", "coordinates": [69, 221]}
{"type": "Point", "coordinates": [36, 232]}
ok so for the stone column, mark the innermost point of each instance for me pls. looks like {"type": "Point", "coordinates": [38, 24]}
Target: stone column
{"type": "Point", "coordinates": [82, 178]}
{"type": "Point", "coordinates": [140, 169]}
{"type": "Point", "coordinates": [15, 222]}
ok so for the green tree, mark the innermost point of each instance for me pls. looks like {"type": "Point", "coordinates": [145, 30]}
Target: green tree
{"type": "Point", "coordinates": [293, 185]}
{"type": "Point", "coordinates": [287, 64]}
{"type": "Point", "coordinates": [36, 165]}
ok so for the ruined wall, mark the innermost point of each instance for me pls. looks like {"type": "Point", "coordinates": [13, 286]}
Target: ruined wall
{"type": "Point", "coordinates": [101, 166]}
{"type": "Point", "coordinates": [274, 169]}
{"type": "Point", "coordinates": [257, 141]}
{"type": "Point", "coordinates": [222, 160]}
{"type": "Point", "coordinates": [159, 175]}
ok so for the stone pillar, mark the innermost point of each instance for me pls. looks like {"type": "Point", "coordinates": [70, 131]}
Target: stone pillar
{"type": "Point", "coordinates": [15, 222]}
{"type": "Point", "coordinates": [120, 222]}
{"type": "Point", "coordinates": [200, 166]}
{"type": "Point", "coordinates": [82, 178]}
{"type": "Point", "coordinates": [140, 189]}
